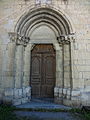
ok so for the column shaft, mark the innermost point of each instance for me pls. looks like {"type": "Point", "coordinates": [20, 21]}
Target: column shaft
{"type": "Point", "coordinates": [27, 63]}
{"type": "Point", "coordinates": [19, 66]}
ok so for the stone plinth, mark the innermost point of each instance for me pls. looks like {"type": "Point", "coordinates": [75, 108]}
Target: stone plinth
{"type": "Point", "coordinates": [17, 96]}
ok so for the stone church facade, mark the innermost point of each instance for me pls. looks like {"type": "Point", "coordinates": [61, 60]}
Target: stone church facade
{"type": "Point", "coordinates": [45, 51]}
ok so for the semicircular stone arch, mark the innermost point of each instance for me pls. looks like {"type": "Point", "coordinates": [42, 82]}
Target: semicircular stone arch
{"type": "Point", "coordinates": [43, 14]}
{"type": "Point", "coordinates": [43, 25]}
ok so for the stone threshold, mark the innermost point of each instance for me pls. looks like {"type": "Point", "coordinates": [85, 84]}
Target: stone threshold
{"type": "Point", "coordinates": [43, 109]}
{"type": "Point", "coordinates": [33, 105]}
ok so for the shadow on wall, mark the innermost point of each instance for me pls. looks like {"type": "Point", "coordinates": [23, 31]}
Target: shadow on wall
{"type": "Point", "coordinates": [65, 1]}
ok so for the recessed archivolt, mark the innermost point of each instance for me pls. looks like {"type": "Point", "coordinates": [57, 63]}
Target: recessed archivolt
{"type": "Point", "coordinates": [46, 15]}
{"type": "Point", "coordinates": [43, 22]}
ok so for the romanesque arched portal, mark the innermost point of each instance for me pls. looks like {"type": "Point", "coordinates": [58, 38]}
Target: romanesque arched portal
{"type": "Point", "coordinates": [44, 25]}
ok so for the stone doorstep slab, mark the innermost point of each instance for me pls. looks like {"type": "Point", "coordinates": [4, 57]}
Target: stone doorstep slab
{"type": "Point", "coordinates": [42, 105]}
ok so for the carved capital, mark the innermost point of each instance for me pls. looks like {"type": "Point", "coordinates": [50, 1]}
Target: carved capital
{"type": "Point", "coordinates": [18, 39]}
{"type": "Point", "coordinates": [71, 37]}
{"type": "Point", "coordinates": [66, 38]}
{"type": "Point", "coordinates": [12, 36]}
{"type": "Point", "coordinates": [22, 40]}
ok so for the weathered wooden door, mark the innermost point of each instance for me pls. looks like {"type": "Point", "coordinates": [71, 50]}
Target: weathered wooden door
{"type": "Point", "coordinates": [43, 61]}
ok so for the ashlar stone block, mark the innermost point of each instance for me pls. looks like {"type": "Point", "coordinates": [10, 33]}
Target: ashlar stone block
{"type": "Point", "coordinates": [16, 93]}
{"type": "Point", "coordinates": [56, 91]}
{"type": "Point", "coordinates": [25, 100]}
{"type": "Point", "coordinates": [75, 93]}
{"type": "Point", "coordinates": [17, 101]}
{"type": "Point", "coordinates": [8, 92]}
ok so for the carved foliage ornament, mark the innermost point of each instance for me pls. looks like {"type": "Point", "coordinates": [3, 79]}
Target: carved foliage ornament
{"type": "Point", "coordinates": [23, 40]}
{"type": "Point", "coordinates": [66, 38]}
{"type": "Point", "coordinates": [18, 39]}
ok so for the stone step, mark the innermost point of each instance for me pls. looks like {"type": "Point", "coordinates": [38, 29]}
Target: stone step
{"type": "Point", "coordinates": [42, 105]}
{"type": "Point", "coordinates": [43, 100]}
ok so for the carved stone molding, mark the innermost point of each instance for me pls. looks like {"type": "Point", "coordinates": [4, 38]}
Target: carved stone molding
{"type": "Point", "coordinates": [22, 40]}
{"type": "Point", "coordinates": [12, 36]}
{"type": "Point", "coordinates": [18, 39]}
{"type": "Point", "coordinates": [66, 38]}
{"type": "Point", "coordinates": [43, 2]}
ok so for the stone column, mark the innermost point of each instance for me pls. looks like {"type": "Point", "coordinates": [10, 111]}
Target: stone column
{"type": "Point", "coordinates": [19, 66]}
{"type": "Point", "coordinates": [26, 88]}
{"type": "Point", "coordinates": [27, 63]}
{"type": "Point", "coordinates": [73, 94]}
{"type": "Point", "coordinates": [73, 83]}
{"type": "Point", "coordinates": [66, 71]}
{"type": "Point", "coordinates": [59, 66]}
{"type": "Point", "coordinates": [66, 66]}
{"type": "Point", "coordinates": [59, 73]}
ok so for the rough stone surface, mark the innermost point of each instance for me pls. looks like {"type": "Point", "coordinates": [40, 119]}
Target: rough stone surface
{"type": "Point", "coordinates": [72, 60]}
{"type": "Point", "coordinates": [15, 95]}
{"type": "Point", "coordinates": [17, 101]}
{"type": "Point", "coordinates": [25, 100]}
{"type": "Point", "coordinates": [9, 92]}
{"type": "Point", "coordinates": [39, 104]}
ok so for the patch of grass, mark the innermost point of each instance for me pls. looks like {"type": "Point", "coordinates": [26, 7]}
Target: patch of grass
{"type": "Point", "coordinates": [7, 113]}
{"type": "Point", "coordinates": [75, 110]}
{"type": "Point", "coordinates": [81, 113]}
{"type": "Point", "coordinates": [85, 115]}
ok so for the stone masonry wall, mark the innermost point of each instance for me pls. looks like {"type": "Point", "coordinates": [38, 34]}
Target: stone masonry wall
{"type": "Point", "coordinates": [17, 96]}
{"type": "Point", "coordinates": [79, 13]}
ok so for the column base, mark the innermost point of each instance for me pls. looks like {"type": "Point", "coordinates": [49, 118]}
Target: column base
{"type": "Point", "coordinates": [71, 97]}
{"type": "Point", "coordinates": [17, 96]}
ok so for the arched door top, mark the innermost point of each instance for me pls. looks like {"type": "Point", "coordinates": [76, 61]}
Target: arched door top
{"type": "Point", "coordinates": [48, 15]}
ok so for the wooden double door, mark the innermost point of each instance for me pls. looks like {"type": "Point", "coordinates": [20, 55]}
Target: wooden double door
{"type": "Point", "coordinates": [43, 69]}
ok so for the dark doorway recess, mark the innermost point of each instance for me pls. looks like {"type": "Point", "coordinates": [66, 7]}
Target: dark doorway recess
{"type": "Point", "coordinates": [43, 71]}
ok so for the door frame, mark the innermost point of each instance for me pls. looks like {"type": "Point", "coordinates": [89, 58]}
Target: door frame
{"type": "Point", "coordinates": [32, 47]}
